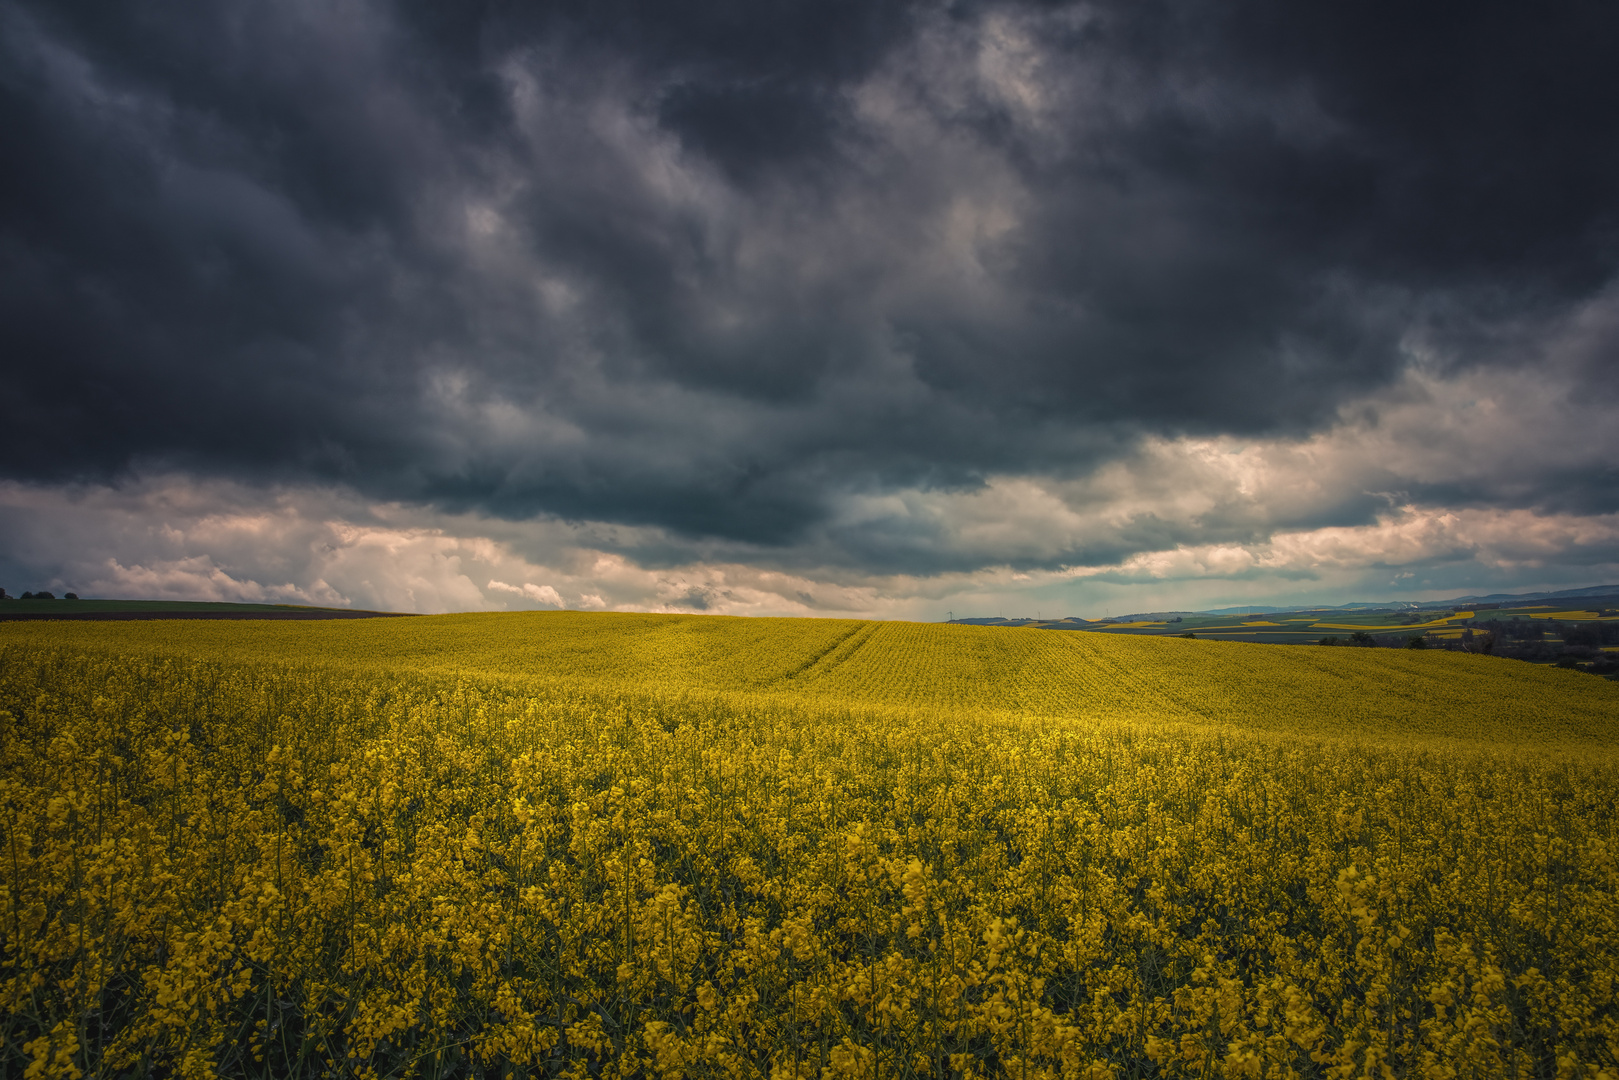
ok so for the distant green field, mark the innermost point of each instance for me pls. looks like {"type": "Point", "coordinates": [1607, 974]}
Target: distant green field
{"type": "Point", "coordinates": [12, 608]}
{"type": "Point", "coordinates": [68, 606]}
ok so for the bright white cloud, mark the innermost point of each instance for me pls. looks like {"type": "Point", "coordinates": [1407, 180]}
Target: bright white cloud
{"type": "Point", "coordinates": [1500, 540]}
{"type": "Point", "coordinates": [175, 538]}
{"type": "Point", "coordinates": [540, 594]}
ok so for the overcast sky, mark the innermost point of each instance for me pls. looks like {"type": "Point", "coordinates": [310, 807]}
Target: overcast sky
{"type": "Point", "coordinates": [817, 308]}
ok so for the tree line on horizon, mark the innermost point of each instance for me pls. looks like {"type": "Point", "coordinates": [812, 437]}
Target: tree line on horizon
{"type": "Point", "coordinates": [1575, 645]}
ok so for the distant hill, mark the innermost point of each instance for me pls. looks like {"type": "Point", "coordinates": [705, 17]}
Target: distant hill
{"type": "Point", "coordinates": [1610, 591]}
{"type": "Point", "coordinates": [1421, 605]}
{"type": "Point", "coordinates": [1594, 590]}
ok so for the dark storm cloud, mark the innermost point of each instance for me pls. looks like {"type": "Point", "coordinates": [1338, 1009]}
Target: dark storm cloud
{"type": "Point", "coordinates": [713, 267]}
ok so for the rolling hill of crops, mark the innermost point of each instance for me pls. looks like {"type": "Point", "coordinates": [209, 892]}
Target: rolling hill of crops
{"type": "Point", "coordinates": [566, 844]}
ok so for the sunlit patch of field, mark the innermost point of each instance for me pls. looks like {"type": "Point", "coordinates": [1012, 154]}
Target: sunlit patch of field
{"type": "Point", "coordinates": [1575, 616]}
{"type": "Point", "coordinates": [1429, 625]}
{"type": "Point", "coordinates": [636, 845]}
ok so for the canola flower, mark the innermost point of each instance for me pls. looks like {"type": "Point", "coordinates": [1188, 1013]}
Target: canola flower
{"type": "Point", "coordinates": [362, 867]}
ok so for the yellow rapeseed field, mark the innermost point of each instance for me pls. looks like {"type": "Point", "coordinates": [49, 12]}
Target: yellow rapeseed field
{"type": "Point", "coordinates": [618, 845]}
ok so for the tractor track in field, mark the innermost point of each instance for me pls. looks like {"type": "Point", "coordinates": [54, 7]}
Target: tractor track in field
{"type": "Point", "coordinates": [828, 659]}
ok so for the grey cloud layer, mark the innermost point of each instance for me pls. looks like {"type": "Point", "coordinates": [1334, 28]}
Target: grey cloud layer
{"type": "Point", "coordinates": [740, 274]}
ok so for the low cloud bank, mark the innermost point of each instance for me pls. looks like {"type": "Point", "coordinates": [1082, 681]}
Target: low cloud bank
{"type": "Point", "coordinates": [1438, 488]}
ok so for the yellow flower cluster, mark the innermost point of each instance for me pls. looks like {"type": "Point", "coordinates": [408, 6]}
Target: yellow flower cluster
{"type": "Point", "coordinates": [839, 861]}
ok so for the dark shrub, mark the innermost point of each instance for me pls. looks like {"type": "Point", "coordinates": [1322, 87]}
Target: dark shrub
{"type": "Point", "coordinates": [1594, 635]}
{"type": "Point", "coordinates": [1522, 629]}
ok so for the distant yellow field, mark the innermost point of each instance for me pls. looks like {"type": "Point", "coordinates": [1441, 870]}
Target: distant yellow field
{"type": "Point", "coordinates": [634, 845]}
{"type": "Point", "coordinates": [1430, 624]}
{"type": "Point", "coordinates": [1576, 616]}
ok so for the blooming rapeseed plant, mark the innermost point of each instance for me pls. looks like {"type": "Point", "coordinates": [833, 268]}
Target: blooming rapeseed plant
{"type": "Point", "coordinates": [843, 850]}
